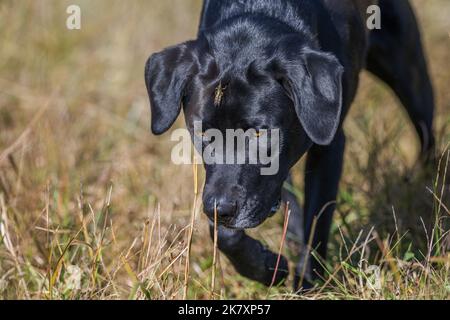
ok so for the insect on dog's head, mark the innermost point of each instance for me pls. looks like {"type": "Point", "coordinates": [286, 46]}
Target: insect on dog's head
{"type": "Point", "coordinates": [284, 91]}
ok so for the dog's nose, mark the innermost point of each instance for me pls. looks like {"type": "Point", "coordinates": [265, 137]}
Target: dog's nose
{"type": "Point", "coordinates": [226, 208]}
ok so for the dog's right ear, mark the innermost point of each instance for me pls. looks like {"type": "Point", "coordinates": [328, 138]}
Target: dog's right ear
{"type": "Point", "coordinates": [166, 76]}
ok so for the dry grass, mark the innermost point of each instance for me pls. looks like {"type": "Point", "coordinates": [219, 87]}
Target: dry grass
{"type": "Point", "coordinates": [92, 208]}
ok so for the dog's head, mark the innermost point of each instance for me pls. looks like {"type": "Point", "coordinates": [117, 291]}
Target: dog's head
{"type": "Point", "coordinates": [248, 85]}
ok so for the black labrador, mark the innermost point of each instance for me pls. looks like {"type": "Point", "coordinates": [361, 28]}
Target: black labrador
{"type": "Point", "coordinates": [292, 65]}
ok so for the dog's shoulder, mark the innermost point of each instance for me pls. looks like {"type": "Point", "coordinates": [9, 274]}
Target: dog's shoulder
{"type": "Point", "coordinates": [350, 6]}
{"type": "Point", "coordinates": [362, 5]}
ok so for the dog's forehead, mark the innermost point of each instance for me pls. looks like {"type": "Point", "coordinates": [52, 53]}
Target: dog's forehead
{"type": "Point", "coordinates": [234, 98]}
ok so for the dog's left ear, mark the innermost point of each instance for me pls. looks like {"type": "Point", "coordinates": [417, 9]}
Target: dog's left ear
{"type": "Point", "coordinates": [166, 76]}
{"type": "Point", "coordinates": [314, 82]}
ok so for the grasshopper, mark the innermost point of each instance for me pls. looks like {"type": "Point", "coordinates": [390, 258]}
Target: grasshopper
{"type": "Point", "coordinates": [218, 94]}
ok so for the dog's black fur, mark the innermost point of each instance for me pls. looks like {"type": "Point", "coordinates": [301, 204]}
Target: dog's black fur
{"type": "Point", "coordinates": [292, 65]}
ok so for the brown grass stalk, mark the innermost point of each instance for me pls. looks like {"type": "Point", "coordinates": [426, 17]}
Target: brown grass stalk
{"type": "Point", "coordinates": [213, 272]}
{"type": "Point", "coordinates": [287, 214]}
{"type": "Point", "coordinates": [190, 233]}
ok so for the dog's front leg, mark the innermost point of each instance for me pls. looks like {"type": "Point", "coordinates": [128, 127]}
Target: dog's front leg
{"type": "Point", "coordinates": [322, 174]}
{"type": "Point", "coordinates": [249, 257]}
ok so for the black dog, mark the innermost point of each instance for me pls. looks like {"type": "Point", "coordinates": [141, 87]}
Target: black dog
{"type": "Point", "coordinates": [292, 65]}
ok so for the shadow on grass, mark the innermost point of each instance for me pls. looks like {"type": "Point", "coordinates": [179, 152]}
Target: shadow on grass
{"type": "Point", "coordinates": [407, 208]}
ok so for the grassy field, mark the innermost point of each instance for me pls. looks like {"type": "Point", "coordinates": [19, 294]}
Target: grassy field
{"type": "Point", "coordinates": [91, 206]}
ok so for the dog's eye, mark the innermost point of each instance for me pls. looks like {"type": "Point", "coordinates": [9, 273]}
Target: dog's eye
{"type": "Point", "coordinates": [200, 134]}
{"type": "Point", "coordinates": [259, 133]}
{"type": "Point", "coordinates": [203, 136]}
